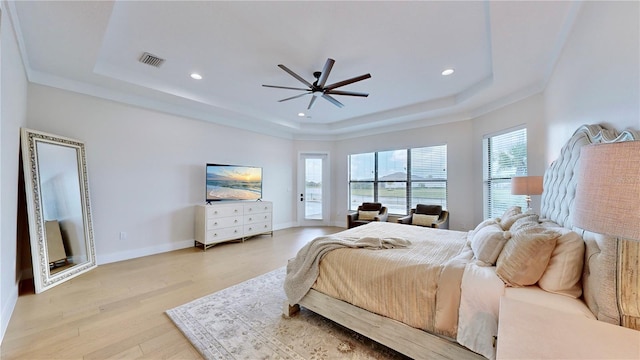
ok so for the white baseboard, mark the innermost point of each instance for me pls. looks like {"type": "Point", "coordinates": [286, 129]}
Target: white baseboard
{"type": "Point", "coordinates": [8, 305]}
{"type": "Point", "coordinates": [152, 250]}
{"type": "Point", "coordinates": [136, 253]}
{"type": "Point", "coordinates": [283, 226]}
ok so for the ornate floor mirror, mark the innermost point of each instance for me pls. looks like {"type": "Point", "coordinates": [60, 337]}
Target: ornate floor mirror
{"type": "Point", "coordinates": [59, 214]}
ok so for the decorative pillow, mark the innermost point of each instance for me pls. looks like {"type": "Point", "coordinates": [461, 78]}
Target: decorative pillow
{"type": "Point", "coordinates": [564, 272]}
{"type": "Point", "coordinates": [488, 242]}
{"type": "Point", "coordinates": [524, 222]}
{"type": "Point", "coordinates": [423, 220]}
{"type": "Point", "coordinates": [484, 223]}
{"type": "Point", "coordinates": [510, 216]}
{"type": "Point", "coordinates": [524, 258]}
{"type": "Point", "coordinates": [367, 215]}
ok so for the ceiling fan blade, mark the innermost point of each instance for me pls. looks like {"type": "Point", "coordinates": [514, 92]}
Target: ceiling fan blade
{"type": "Point", "coordinates": [325, 72]}
{"type": "Point", "coordinates": [332, 100]}
{"type": "Point", "coordinates": [295, 75]}
{"type": "Point", "coordinates": [285, 87]}
{"type": "Point", "coordinates": [350, 93]}
{"type": "Point", "coordinates": [347, 82]}
{"type": "Point", "coordinates": [295, 97]}
{"type": "Point", "coordinates": [313, 100]}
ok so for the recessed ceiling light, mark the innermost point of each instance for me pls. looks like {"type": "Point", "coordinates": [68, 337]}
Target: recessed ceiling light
{"type": "Point", "coordinates": [196, 76]}
{"type": "Point", "coordinates": [446, 72]}
{"type": "Point", "coordinates": [301, 114]}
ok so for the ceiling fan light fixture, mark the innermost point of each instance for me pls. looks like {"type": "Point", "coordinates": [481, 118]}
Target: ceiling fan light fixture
{"type": "Point", "coordinates": [301, 114]}
{"type": "Point", "coordinates": [447, 72]}
{"type": "Point", "coordinates": [196, 76]}
{"type": "Point", "coordinates": [318, 88]}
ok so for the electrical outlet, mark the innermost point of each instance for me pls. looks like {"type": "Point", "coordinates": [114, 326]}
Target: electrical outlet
{"type": "Point", "coordinates": [123, 235]}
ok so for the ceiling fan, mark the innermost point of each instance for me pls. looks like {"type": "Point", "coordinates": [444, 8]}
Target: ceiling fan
{"type": "Point", "coordinates": [318, 87]}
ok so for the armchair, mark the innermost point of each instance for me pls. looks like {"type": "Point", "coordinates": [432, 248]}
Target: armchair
{"type": "Point", "coordinates": [441, 222]}
{"type": "Point", "coordinates": [367, 213]}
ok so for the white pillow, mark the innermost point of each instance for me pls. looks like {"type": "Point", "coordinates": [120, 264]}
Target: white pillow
{"type": "Point", "coordinates": [526, 221]}
{"type": "Point", "coordinates": [488, 242]}
{"type": "Point", "coordinates": [510, 216]}
{"type": "Point", "coordinates": [564, 271]}
{"type": "Point", "coordinates": [524, 258]}
{"type": "Point", "coordinates": [367, 215]}
{"type": "Point", "coordinates": [484, 223]}
{"type": "Point", "coordinates": [423, 220]}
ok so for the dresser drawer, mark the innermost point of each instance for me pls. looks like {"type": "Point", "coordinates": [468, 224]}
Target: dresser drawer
{"type": "Point", "coordinates": [224, 211]}
{"type": "Point", "coordinates": [258, 207]}
{"type": "Point", "coordinates": [254, 218]}
{"type": "Point", "coordinates": [224, 234]}
{"type": "Point", "coordinates": [222, 222]}
{"type": "Point", "coordinates": [257, 228]}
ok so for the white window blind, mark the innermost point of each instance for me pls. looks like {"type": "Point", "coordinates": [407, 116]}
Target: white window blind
{"type": "Point", "coordinates": [505, 157]}
{"type": "Point", "coordinates": [362, 174]}
{"type": "Point", "coordinates": [428, 176]}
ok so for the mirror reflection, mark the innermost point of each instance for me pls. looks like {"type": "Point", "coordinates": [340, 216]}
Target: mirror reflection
{"type": "Point", "coordinates": [58, 208]}
{"type": "Point", "coordinates": [61, 205]}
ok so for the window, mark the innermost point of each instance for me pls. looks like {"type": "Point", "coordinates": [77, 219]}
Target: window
{"type": "Point", "coordinates": [399, 179]}
{"type": "Point", "coordinates": [505, 156]}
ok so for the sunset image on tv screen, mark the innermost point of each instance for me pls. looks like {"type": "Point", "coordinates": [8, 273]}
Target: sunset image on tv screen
{"type": "Point", "coordinates": [234, 183]}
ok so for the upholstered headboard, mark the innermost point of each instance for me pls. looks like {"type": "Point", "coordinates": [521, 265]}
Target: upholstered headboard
{"type": "Point", "coordinates": [601, 287]}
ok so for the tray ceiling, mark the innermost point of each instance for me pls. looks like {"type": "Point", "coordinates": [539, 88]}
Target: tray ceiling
{"type": "Point", "coordinates": [501, 52]}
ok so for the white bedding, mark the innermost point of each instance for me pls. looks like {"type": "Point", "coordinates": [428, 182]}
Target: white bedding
{"type": "Point", "coordinates": [479, 308]}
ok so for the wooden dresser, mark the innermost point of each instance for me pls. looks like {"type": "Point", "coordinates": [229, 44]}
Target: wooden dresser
{"type": "Point", "coordinates": [225, 221]}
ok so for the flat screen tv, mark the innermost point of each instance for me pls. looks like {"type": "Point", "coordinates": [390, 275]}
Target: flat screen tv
{"type": "Point", "coordinates": [233, 182]}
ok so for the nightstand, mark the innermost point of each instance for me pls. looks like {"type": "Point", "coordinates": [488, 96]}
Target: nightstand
{"type": "Point", "coordinates": [528, 331]}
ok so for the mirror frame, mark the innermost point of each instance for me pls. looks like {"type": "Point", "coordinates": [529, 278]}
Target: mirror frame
{"type": "Point", "coordinates": [43, 279]}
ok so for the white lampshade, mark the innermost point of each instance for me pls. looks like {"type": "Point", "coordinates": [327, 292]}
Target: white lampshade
{"type": "Point", "coordinates": [608, 189]}
{"type": "Point", "coordinates": [526, 185]}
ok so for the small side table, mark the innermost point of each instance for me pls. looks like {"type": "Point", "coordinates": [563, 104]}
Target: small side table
{"type": "Point", "coordinates": [528, 331]}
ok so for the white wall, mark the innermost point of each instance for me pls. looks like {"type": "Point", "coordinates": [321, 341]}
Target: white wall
{"type": "Point", "coordinates": [597, 78]}
{"type": "Point", "coordinates": [13, 102]}
{"type": "Point", "coordinates": [146, 169]}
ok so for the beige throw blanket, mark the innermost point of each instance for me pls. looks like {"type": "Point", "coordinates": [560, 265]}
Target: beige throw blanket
{"type": "Point", "coordinates": [303, 270]}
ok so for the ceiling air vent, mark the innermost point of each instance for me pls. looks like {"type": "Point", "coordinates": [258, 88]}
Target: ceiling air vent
{"type": "Point", "coordinates": [150, 59]}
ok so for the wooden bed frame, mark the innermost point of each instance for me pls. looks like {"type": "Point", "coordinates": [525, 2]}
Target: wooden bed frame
{"type": "Point", "coordinates": [557, 205]}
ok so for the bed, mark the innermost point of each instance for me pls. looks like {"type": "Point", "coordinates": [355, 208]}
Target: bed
{"type": "Point", "coordinates": [438, 295]}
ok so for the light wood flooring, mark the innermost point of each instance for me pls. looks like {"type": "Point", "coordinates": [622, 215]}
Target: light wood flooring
{"type": "Point", "coordinates": [117, 310]}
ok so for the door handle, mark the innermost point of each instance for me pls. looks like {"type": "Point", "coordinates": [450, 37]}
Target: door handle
{"type": "Point", "coordinates": [301, 197]}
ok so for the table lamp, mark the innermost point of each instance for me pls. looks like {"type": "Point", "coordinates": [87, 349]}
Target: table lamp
{"type": "Point", "coordinates": [608, 202]}
{"type": "Point", "coordinates": [526, 185]}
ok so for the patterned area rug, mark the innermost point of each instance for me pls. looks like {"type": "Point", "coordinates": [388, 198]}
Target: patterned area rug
{"type": "Point", "coordinates": [245, 322]}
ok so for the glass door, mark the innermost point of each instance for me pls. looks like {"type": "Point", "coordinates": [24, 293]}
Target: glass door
{"type": "Point", "coordinates": [313, 189]}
